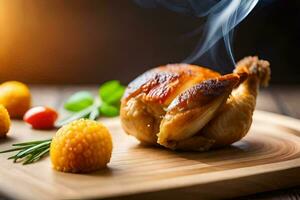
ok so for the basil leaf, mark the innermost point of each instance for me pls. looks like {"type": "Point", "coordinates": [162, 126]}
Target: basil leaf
{"type": "Point", "coordinates": [111, 92]}
{"type": "Point", "coordinates": [108, 110]}
{"type": "Point", "coordinates": [79, 101]}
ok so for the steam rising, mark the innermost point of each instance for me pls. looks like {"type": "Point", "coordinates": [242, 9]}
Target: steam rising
{"type": "Point", "coordinates": [221, 18]}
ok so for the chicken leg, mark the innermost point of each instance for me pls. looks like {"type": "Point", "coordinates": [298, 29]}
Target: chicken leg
{"type": "Point", "coordinates": [235, 117]}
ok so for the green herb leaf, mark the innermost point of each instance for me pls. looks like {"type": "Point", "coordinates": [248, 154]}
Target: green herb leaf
{"type": "Point", "coordinates": [111, 92]}
{"type": "Point", "coordinates": [29, 152]}
{"type": "Point", "coordinates": [109, 110]}
{"type": "Point", "coordinates": [79, 101]}
{"type": "Point", "coordinates": [11, 150]}
{"type": "Point", "coordinates": [30, 143]}
{"type": "Point", "coordinates": [36, 156]}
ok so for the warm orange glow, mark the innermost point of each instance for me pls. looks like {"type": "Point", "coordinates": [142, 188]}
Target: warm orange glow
{"type": "Point", "coordinates": [35, 37]}
{"type": "Point", "coordinates": [83, 41]}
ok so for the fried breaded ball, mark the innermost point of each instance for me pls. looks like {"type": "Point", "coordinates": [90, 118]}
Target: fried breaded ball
{"type": "Point", "coordinates": [4, 121]}
{"type": "Point", "coordinates": [81, 146]}
{"type": "Point", "coordinates": [15, 97]}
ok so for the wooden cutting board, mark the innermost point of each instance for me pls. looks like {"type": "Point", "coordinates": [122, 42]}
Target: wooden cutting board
{"type": "Point", "coordinates": [268, 158]}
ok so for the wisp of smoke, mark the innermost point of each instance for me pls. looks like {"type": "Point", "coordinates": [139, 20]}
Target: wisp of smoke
{"type": "Point", "coordinates": [221, 18]}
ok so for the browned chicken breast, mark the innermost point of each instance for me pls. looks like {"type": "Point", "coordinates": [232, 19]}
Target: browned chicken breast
{"type": "Point", "coordinates": [187, 107]}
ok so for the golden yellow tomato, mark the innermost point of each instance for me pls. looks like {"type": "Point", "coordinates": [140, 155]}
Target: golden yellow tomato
{"type": "Point", "coordinates": [15, 97]}
{"type": "Point", "coordinates": [4, 121]}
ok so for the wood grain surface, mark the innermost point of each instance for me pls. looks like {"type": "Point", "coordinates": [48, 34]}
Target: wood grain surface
{"type": "Point", "coordinates": [267, 159]}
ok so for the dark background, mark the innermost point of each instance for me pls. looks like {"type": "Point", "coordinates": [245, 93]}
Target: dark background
{"type": "Point", "coordinates": [91, 41]}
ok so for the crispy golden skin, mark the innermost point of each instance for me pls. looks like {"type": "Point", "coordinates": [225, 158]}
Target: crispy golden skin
{"type": "Point", "coordinates": [164, 83]}
{"type": "Point", "coordinates": [146, 98]}
{"type": "Point", "coordinates": [188, 107]}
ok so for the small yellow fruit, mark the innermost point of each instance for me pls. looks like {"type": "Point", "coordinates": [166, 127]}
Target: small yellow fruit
{"type": "Point", "coordinates": [4, 122]}
{"type": "Point", "coordinates": [81, 146]}
{"type": "Point", "coordinates": [15, 97]}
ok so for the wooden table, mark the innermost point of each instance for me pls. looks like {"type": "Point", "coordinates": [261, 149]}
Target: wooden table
{"type": "Point", "coordinates": [284, 100]}
{"type": "Point", "coordinates": [279, 99]}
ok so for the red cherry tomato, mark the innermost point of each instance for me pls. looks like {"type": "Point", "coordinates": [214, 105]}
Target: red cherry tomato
{"type": "Point", "coordinates": [41, 117]}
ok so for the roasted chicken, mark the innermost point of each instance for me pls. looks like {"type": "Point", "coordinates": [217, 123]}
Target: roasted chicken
{"type": "Point", "coordinates": [187, 107]}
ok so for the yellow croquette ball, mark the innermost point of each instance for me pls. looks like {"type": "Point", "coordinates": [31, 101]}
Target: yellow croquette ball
{"type": "Point", "coordinates": [4, 121]}
{"type": "Point", "coordinates": [81, 146]}
{"type": "Point", "coordinates": [15, 97]}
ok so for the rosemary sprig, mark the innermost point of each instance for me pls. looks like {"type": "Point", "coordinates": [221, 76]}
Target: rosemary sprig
{"type": "Point", "coordinates": [29, 152]}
